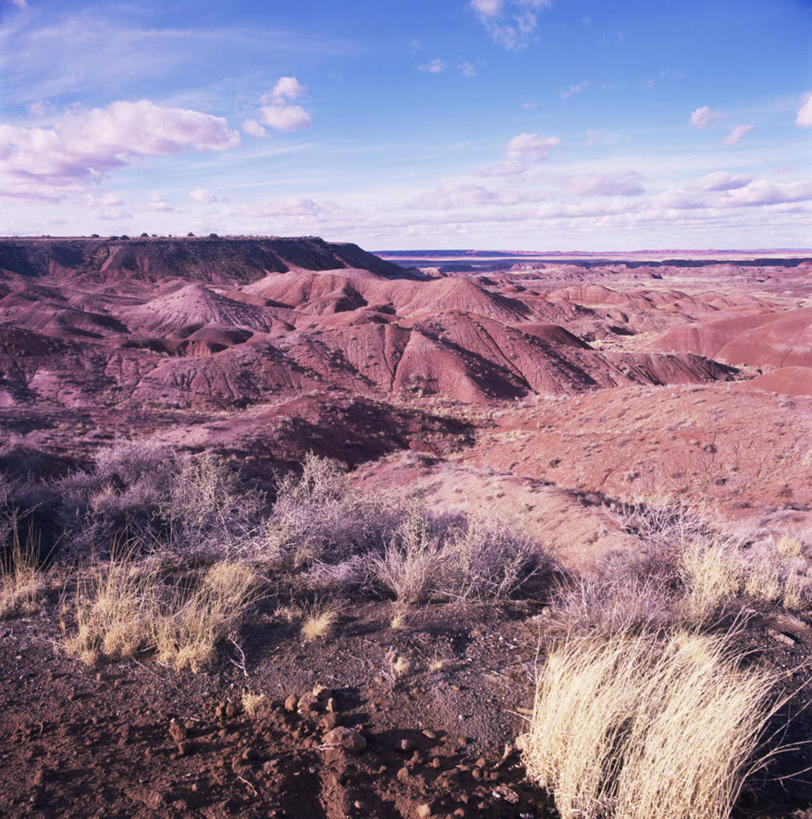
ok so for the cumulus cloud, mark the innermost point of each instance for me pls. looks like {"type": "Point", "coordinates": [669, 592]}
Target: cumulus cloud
{"type": "Point", "coordinates": [253, 128]}
{"type": "Point", "coordinates": [763, 192]}
{"type": "Point", "coordinates": [702, 118]}
{"type": "Point", "coordinates": [84, 145]}
{"type": "Point", "coordinates": [435, 66]}
{"type": "Point", "coordinates": [624, 183]}
{"type": "Point", "coordinates": [723, 181]}
{"type": "Point", "coordinates": [288, 87]}
{"type": "Point", "coordinates": [577, 88]}
{"type": "Point", "coordinates": [510, 23]}
{"type": "Point", "coordinates": [804, 118]}
{"type": "Point", "coordinates": [530, 147]}
{"type": "Point", "coordinates": [202, 195]}
{"type": "Point", "coordinates": [736, 135]}
{"type": "Point", "coordinates": [279, 113]}
{"type": "Point", "coordinates": [285, 117]}
{"type": "Point", "coordinates": [507, 168]}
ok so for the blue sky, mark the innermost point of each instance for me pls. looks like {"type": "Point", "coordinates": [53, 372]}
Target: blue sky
{"type": "Point", "coordinates": [521, 124]}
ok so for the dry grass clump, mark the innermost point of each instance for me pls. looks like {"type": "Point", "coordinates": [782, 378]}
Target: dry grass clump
{"type": "Point", "coordinates": [113, 610]}
{"type": "Point", "coordinates": [123, 607]}
{"type": "Point", "coordinates": [21, 577]}
{"type": "Point", "coordinates": [318, 621]}
{"type": "Point", "coordinates": [187, 630]}
{"type": "Point", "coordinates": [253, 703]}
{"type": "Point", "coordinates": [641, 725]}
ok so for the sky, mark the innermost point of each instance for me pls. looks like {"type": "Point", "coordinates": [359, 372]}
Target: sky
{"type": "Point", "coordinates": [490, 124]}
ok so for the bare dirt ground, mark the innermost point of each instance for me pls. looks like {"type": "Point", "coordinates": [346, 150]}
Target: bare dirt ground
{"type": "Point", "coordinates": [542, 391]}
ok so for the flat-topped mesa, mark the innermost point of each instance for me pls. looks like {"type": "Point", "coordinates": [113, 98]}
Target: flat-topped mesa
{"type": "Point", "coordinates": [212, 260]}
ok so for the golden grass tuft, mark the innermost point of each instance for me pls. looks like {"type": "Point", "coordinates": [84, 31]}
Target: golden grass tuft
{"type": "Point", "coordinates": [22, 581]}
{"type": "Point", "coordinates": [641, 725]}
{"type": "Point", "coordinates": [318, 621]}
{"type": "Point", "coordinates": [123, 607]}
{"type": "Point", "coordinates": [252, 703]}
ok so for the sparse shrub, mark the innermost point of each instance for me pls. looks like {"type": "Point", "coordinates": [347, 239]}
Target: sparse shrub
{"type": "Point", "coordinates": [451, 557]}
{"type": "Point", "coordinates": [319, 518]}
{"type": "Point", "coordinates": [644, 725]}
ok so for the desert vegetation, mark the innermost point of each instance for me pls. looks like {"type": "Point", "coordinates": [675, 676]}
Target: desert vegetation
{"type": "Point", "coordinates": [647, 697]}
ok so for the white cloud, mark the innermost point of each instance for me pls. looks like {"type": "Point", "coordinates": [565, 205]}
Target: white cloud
{"type": "Point", "coordinates": [623, 183]}
{"type": "Point", "coordinates": [253, 128]}
{"type": "Point", "coordinates": [466, 68]}
{"type": "Point", "coordinates": [84, 145]}
{"type": "Point", "coordinates": [38, 108]}
{"type": "Point", "coordinates": [702, 118]}
{"type": "Point", "coordinates": [723, 181]}
{"type": "Point", "coordinates": [508, 168]}
{"type": "Point", "coordinates": [285, 117]}
{"type": "Point", "coordinates": [763, 192]}
{"type": "Point", "coordinates": [804, 118]}
{"type": "Point", "coordinates": [578, 88]}
{"type": "Point", "coordinates": [435, 66]}
{"type": "Point", "coordinates": [487, 8]}
{"type": "Point", "coordinates": [454, 197]}
{"type": "Point", "coordinates": [288, 87]}
{"type": "Point", "coordinates": [21, 4]}
{"type": "Point", "coordinates": [279, 113]}
{"type": "Point", "coordinates": [529, 105]}
{"type": "Point", "coordinates": [530, 147]}
{"type": "Point", "coordinates": [159, 204]}
{"type": "Point", "coordinates": [510, 23]}
{"type": "Point", "coordinates": [202, 195]}
{"type": "Point", "coordinates": [736, 135]}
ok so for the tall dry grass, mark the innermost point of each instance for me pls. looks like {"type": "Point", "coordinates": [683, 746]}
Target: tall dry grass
{"type": "Point", "coordinates": [639, 725]}
{"type": "Point", "coordinates": [123, 607]}
{"type": "Point", "coordinates": [21, 577]}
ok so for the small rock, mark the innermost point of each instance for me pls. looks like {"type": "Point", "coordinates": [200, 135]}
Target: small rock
{"type": "Point", "coordinates": [403, 774]}
{"type": "Point", "coordinates": [423, 811]}
{"type": "Point", "coordinates": [176, 731]}
{"type": "Point", "coordinates": [481, 763]}
{"type": "Point", "coordinates": [407, 744]}
{"type": "Point", "coordinates": [429, 734]}
{"type": "Point", "coordinates": [308, 702]}
{"type": "Point", "coordinates": [781, 637]}
{"type": "Point", "coordinates": [290, 703]}
{"type": "Point", "coordinates": [329, 721]}
{"type": "Point", "coordinates": [332, 706]}
{"type": "Point", "coordinates": [347, 738]}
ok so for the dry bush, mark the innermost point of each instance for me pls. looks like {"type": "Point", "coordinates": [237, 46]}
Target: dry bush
{"type": "Point", "coordinates": [206, 509]}
{"type": "Point", "coordinates": [319, 518]}
{"type": "Point", "coordinates": [712, 572]}
{"type": "Point", "coordinates": [636, 726]}
{"type": "Point", "coordinates": [123, 607]}
{"type": "Point", "coordinates": [451, 557]}
{"type": "Point", "coordinates": [22, 580]}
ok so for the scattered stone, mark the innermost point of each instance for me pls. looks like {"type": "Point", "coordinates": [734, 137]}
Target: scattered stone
{"type": "Point", "coordinates": [290, 703]}
{"type": "Point", "coordinates": [347, 738]}
{"type": "Point", "coordinates": [403, 774]}
{"type": "Point", "coordinates": [780, 637]}
{"type": "Point", "coordinates": [429, 734]}
{"type": "Point", "coordinates": [308, 702]}
{"type": "Point", "coordinates": [407, 744]}
{"type": "Point", "coordinates": [176, 731]}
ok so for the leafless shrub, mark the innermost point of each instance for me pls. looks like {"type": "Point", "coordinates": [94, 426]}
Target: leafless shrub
{"type": "Point", "coordinates": [21, 577]}
{"type": "Point", "coordinates": [451, 557]}
{"type": "Point", "coordinates": [319, 517]}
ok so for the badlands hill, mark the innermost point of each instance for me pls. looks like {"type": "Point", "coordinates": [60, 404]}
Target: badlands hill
{"type": "Point", "coordinates": [590, 377]}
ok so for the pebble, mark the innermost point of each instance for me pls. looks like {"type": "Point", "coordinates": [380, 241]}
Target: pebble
{"type": "Point", "coordinates": [347, 738]}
